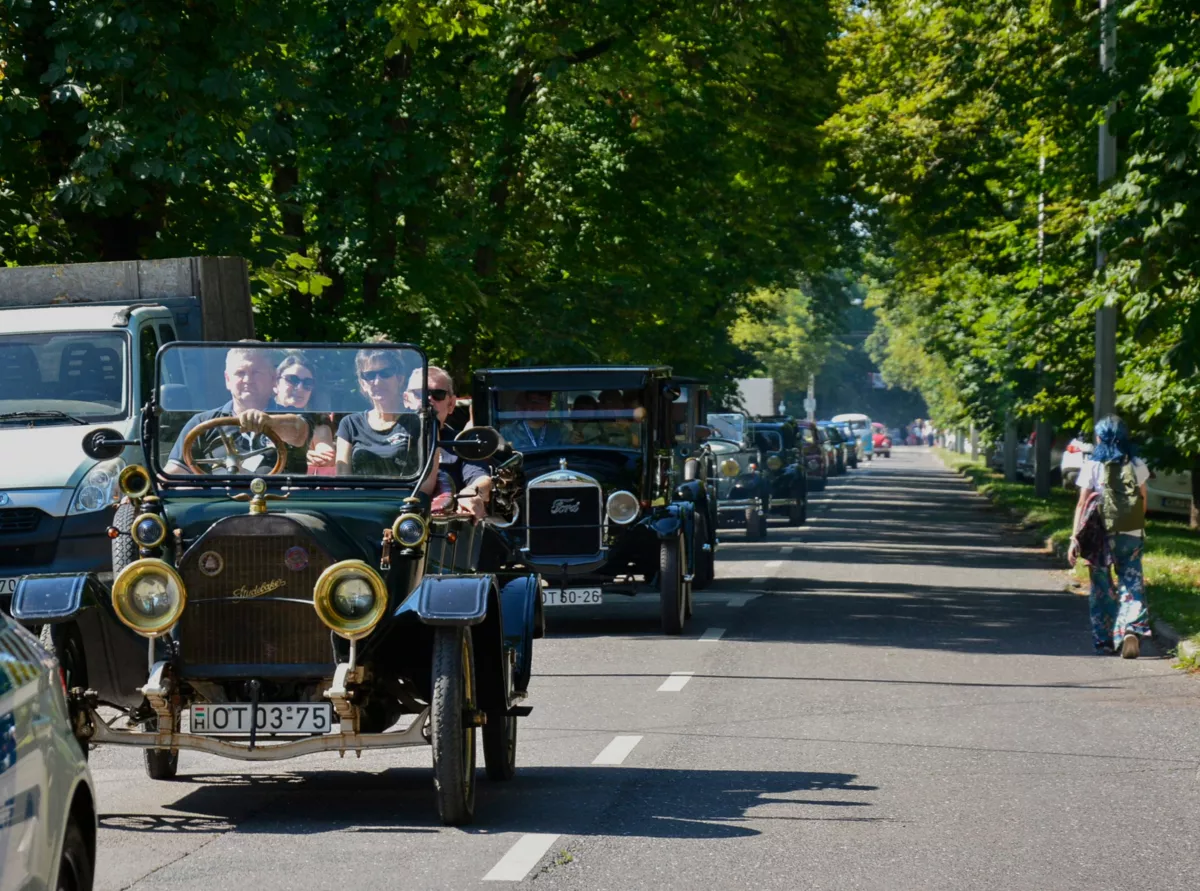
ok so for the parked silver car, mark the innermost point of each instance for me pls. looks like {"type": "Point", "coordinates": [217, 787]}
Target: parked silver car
{"type": "Point", "coordinates": [47, 803]}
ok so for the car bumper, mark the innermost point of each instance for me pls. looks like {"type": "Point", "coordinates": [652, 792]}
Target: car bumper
{"type": "Point", "coordinates": [74, 544]}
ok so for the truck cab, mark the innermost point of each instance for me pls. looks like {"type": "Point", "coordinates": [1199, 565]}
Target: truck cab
{"type": "Point", "coordinates": [77, 352]}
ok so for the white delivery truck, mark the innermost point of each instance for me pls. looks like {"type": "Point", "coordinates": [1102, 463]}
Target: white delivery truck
{"type": "Point", "coordinates": [77, 350]}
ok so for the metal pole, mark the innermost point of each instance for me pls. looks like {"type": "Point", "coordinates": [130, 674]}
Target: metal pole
{"type": "Point", "coordinates": [810, 404]}
{"type": "Point", "coordinates": [1106, 316]}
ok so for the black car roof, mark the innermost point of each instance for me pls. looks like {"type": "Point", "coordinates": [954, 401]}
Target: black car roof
{"type": "Point", "coordinates": [560, 377]}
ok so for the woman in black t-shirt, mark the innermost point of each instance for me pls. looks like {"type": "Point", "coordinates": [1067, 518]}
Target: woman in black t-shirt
{"type": "Point", "coordinates": [384, 440]}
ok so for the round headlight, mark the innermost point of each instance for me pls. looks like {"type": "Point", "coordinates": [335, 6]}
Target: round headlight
{"type": "Point", "coordinates": [774, 462]}
{"type": "Point", "coordinates": [410, 530]}
{"type": "Point", "coordinates": [350, 598]}
{"type": "Point", "coordinates": [622, 507]}
{"type": "Point", "coordinates": [148, 531]}
{"type": "Point", "coordinates": [730, 467]}
{"type": "Point", "coordinates": [148, 596]}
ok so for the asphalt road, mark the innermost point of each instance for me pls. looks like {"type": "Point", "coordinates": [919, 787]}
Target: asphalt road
{"type": "Point", "coordinates": [899, 695]}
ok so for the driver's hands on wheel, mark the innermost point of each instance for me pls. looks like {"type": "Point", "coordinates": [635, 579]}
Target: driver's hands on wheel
{"type": "Point", "coordinates": [254, 420]}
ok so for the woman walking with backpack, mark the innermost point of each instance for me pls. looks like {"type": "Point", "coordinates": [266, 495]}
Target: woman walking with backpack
{"type": "Point", "coordinates": [1112, 489]}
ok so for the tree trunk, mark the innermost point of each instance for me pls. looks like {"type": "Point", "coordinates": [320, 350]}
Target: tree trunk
{"type": "Point", "coordinates": [1041, 459]}
{"type": "Point", "coordinates": [1010, 448]}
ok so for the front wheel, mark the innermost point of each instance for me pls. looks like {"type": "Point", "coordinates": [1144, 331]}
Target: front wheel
{"type": "Point", "coordinates": [75, 866]}
{"type": "Point", "coordinates": [161, 764]}
{"type": "Point", "coordinates": [706, 569]}
{"type": "Point", "coordinates": [670, 585]}
{"type": "Point", "coordinates": [756, 524]}
{"type": "Point", "coordinates": [452, 725]}
{"type": "Point", "coordinates": [798, 513]}
{"type": "Point", "coordinates": [500, 746]}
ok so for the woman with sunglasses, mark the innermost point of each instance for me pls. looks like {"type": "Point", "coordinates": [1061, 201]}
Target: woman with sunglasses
{"type": "Point", "coordinates": [294, 385]}
{"type": "Point", "coordinates": [384, 440]}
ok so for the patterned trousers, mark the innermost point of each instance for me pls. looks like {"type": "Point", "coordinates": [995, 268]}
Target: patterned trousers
{"type": "Point", "coordinates": [1120, 610]}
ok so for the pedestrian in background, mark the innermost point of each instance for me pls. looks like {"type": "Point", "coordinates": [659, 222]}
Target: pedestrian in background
{"type": "Point", "coordinates": [1113, 483]}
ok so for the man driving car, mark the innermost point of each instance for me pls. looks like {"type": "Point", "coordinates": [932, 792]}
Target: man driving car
{"type": "Point", "coordinates": [250, 380]}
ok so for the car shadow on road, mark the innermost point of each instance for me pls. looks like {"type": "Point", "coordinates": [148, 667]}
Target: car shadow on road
{"type": "Point", "coordinates": [578, 801]}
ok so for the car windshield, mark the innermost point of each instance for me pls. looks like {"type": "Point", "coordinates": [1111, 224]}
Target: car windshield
{"type": "Point", "coordinates": [767, 439]}
{"type": "Point", "coordinates": [304, 411]}
{"type": "Point", "coordinates": [541, 419]}
{"type": "Point", "coordinates": [63, 377]}
{"type": "Point", "coordinates": [728, 426]}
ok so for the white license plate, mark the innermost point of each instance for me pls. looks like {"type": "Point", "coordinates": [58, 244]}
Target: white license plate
{"type": "Point", "coordinates": [233, 718]}
{"type": "Point", "coordinates": [571, 596]}
{"type": "Point", "coordinates": [1176, 502]}
{"type": "Point", "coordinates": [8, 586]}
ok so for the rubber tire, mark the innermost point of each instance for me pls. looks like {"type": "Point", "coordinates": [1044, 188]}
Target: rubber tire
{"type": "Point", "coordinates": [453, 741]}
{"type": "Point", "coordinates": [75, 866]}
{"type": "Point", "coordinates": [500, 746]}
{"type": "Point", "coordinates": [65, 643]}
{"type": "Point", "coordinates": [672, 596]}
{"type": "Point", "coordinates": [124, 551]}
{"type": "Point", "coordinates": [706, 561]}
{"type": "Point", "coordinates": [756, 525]}
{"type": "Point", "coordinates": [816, 485]}
{"type": "Point", "coordinates": [161, 764]}
{"type": "Point", "coordinates": [798, 513]}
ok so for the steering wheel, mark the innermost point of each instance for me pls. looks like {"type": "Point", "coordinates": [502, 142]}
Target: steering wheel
{"type": "Point", "coordinates": [235, 459]}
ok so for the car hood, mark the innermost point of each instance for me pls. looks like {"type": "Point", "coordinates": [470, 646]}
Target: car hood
{"type": "Point", "coordinates": [611, 467]}
{"type": "Point", "coordinates": [49, 456]}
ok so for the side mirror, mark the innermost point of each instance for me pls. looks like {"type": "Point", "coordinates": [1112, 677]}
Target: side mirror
{"type": "Point", "coordinates": [475, 444]}
{"type": "Point", "coordinates": [105, 444]}
{"type": "Point", "coordinates": [703, 433]}
{"type": "Point", "coordinates": [671, 391]}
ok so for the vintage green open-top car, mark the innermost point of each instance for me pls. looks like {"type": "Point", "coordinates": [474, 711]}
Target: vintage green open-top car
{"type": "Point", "coordinates": [298, 591]}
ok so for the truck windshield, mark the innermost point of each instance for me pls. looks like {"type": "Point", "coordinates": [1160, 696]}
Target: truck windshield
{"type": "Point", "coordinates": [728, 426]}
{"type": "Point", "coordinates": [310, 411]}
{"type": "Point", "coordinates": [63, 377]}
{"type": "Point", "coordinates": [536, 419]}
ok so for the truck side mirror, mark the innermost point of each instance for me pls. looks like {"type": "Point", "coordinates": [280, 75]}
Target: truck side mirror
{"type": "Point", "coordinates": [475, 444]}
{"type": "Point", "coordinates": [105, 444]}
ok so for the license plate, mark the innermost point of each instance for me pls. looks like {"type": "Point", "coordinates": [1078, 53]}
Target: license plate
{"type": "Point", "coordinates": [1176, 502]}
{"type": "Point", "coordinates": [571, 596]}
{"type": "Point", "coordinates": [8, 587]}
{"type": "Point", "coordinates": [233, 718]}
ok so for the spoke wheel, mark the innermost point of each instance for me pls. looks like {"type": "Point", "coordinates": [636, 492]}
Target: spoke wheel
{"type": "Point", "coordinates": [670, 585]}
{"type": "Point", "coordinates": [706, 569]}
{"type": "Point", "coordinates": [756, 524]}
{"type": "Point", "coordinates": [798, 512]}
{"type": "Point", "coordinates": [452, 731]}
{"type": "Point", "coordinates": [75, 864]}
{"type": "Point", "coordinates": [500, 746]}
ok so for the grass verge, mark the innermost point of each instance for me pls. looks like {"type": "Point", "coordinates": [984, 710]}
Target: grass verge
{"type": "Point", "coordinates": [1172, 557]}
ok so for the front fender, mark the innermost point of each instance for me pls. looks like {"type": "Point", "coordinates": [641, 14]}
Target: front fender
{"type": "Point", "coordinates": [453, 599]}
{"type": "Point", "coordinates": [518, 606]}
{"type": "Point", "coordinates": [47, 599]}
{"type": "Point", "coordinates": [690, 490]}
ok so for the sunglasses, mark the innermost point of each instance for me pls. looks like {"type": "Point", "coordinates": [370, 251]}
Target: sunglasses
{"type": "Point", "coordinates": [382, 374]}
{"type": "Point", "coordinates": [434, 395]}
{"type": "Point", "coordinates": [294, 380]}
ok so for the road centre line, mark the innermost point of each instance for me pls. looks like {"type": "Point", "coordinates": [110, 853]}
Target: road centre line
{"type": "Point", "coordinates": [617, 750]}
{"type": "Point", "coordinates": [772, 564]}
{"type": "Point", "coordinates": [676, 682]}
{"type": "Point", "coordinates": [521, 857]}
{"type": "Point", "coordinates": [712, 634]}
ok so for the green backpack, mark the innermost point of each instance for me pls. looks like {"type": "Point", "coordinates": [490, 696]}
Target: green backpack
{"type": "Point", "coordinates": [1121, 503]}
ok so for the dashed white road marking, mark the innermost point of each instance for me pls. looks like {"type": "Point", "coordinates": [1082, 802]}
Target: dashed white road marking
{"type": "Point", "coordinates": [521, 857]}
{"type": "Point", "coordinates": [727, 599]}
{"type": "Point", "coordinates": [711, 634]}
{"type": "Point", "coordinates": [676, 682]}
{"type": "Point", "coordinates": [772, 564]}
{"type": "Point", "coordinates": [736, 600]}
{"type": "Point", "coordinates": [787, 551]}
{"type": "Point", "coordinates": [757, 581]}
{"type": "Point", "coordinates": [617, 750]}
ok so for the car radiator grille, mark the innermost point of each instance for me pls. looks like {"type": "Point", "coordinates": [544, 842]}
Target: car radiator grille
{"type": "Point", "coordinates": [243, 615]}
{"type": "Point", "coordinates": [19, 519]}
{"type": "Point", "coordinates": [564, 521]}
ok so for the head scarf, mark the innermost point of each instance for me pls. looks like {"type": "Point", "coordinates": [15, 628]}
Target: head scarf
{"type": "Point", "coordinates": [1113, 443]}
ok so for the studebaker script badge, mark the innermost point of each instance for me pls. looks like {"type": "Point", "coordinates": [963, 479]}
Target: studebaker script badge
{"type": "Point", "coordinates": [295, 558]}
{"type": "Point", "coordinates": [245, 592]}
{"type": "Point", "coordinates": [564, 506]}
{"type": "Point", "coordinates": [211, 563]}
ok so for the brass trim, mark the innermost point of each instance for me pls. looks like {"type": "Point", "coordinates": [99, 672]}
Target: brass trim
{"type": "Point", "coordinates": [350, 629]}
{"type": "Point", "coordinates": [123, 583]}
{"type": "Point", "coordinates": [127, 487]}
{"type": "Point", "coordinates": [162, 531]}
{"type": "Point", "coordinates": [410, 516]}
{"type": "Point", "coordinates": [730, 468]}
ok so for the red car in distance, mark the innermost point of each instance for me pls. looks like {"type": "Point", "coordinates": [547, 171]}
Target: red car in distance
{"type": "Point", "coordinates": [882, 439]}
{"type": "Point", "coordinates": [816, 462]}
